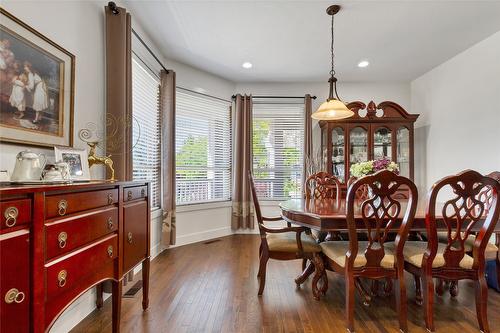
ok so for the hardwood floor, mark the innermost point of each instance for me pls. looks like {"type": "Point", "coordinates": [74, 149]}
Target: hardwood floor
{"type": "Point", "coordinates": [213, 288]}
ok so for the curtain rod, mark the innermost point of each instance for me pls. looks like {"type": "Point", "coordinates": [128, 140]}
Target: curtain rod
{"type": "Point", "coordinates": [114, 9]}
{"type": "Point", "coordinates": [313, 97]}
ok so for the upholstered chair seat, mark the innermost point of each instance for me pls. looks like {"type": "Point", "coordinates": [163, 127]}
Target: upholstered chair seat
{"type": "Point", "coordinates": [287, 242]}
{"type": "Point", "coordinates": [413, 253]}
{"type": "Point", "coordinates": [491, 250]}
{"type": "Point", "coordinates": [337, 250]}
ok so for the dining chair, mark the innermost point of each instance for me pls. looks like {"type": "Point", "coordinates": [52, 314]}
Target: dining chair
{"type": "Point", "coordinates": [373, 259]}
{"type": "Point", "coordinates": [285, 243]}
{"type": "Point", "coordinates": [460, 214]}
{"type": "Point", "coordinates": [492, 251]}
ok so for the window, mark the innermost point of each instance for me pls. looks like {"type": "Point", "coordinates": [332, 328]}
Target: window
{"type": "Point", "coordinates": [146, 151]}
{"type": "Point", "coordinates": [278, 135]}
{"type": "Point", "coordinates": [202, 148]}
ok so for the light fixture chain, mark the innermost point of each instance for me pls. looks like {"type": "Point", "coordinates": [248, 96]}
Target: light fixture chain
{"type": "Point", "coordinates": [332, 71]}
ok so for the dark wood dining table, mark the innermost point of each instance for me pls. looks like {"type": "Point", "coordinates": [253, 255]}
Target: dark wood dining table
{"type": "Point", "coordinates": [330, 215]}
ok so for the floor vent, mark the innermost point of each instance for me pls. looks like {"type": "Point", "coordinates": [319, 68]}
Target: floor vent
{"type": "Point", "coordinates": [212, 241]}
{"type": "Point", "coordinates": [133, 290]}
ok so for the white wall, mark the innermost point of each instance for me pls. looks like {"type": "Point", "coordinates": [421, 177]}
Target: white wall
{"type": "Point", "coordinates": [460, 117]}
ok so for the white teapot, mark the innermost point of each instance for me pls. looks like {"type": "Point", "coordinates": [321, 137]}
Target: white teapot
{"type": "Point", "coordinates": [29, 166]}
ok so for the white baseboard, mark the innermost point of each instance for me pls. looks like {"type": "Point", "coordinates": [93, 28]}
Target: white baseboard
{"type": "Point", "coordinates": [202, 236]}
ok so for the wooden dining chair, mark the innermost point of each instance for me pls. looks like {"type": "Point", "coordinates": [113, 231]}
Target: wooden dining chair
{"type": "Point", "coordinates": [373, 259]}
{"type": "Point", "coordinates": [492, 251]}
{"type": "Point", "coordinates": [460, 214]}
{"type": "Point", "coordinates": [323, 185]}
{"type": "Point", "coordinates": [286, 243]}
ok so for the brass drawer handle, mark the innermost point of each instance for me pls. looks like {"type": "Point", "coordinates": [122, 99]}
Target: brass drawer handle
{"type": "Point", "coordinates": [14, 296]}
{"type": "Point", "coordinates": [62, 238]}
{"type": "Point", "coordinates": [62, 206]}
{"type": "Point", "coordinates": [110, 198]}
{"type": "Point", "coordinates": [129, 237]}
{"type": "Point", "coordinates": [129, 195]}
{"type": "Point", "coordinates": [143, 192]}
{"type": "Point", "coordinates": [110, 223]}
{"type": "Point", "coordinates": [11, 214]}
{"type": "Point", "coordinates": [61, 278]}
{"type": "Point", "coordinates": [110, 251]}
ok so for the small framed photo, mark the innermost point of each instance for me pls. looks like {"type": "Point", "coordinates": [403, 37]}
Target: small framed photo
{"type": "Point", "coordinates": [76, 160]}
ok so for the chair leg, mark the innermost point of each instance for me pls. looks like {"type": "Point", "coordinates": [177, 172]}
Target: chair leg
{"type": "Point", "coordinates": [260, 255]}
{"type": "Point", "coordinates": [349, 302]}
{"type": "Point", "coordinates": [440, 287]}
{"type": "Point", "coordinates": [304, 264]}
{"type": "Point", "coordinates": [402, 303]}
{"type": "Point", "coordinates": [319, 274]}
{"type": "Point", "coordinates": [498, 260]}
{"type": "Point", "coordinates": [388, 286]}
{"type": "Point", "coordinates": [454, 288]}
{"type": "Point", "coordinates": [481, 304]}
{"type": "Point", "coordinates": [428, 294]}
{"type": "Point", "coordinates": [418, 290]}
{"type": "Point", "coordinates": [262, 272]}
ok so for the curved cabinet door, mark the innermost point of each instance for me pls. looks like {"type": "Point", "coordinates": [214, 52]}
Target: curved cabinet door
{"type": "Point", "coordinates": [14, 274]}
{"type": "Point", "coordinates": [403, 151]}
{"type": "Point", "coordinates": [135, 233]}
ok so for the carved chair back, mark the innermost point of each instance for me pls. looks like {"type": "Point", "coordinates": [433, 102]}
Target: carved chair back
{"type": "Point", "coordinates": [486, 194]}
{"type": "Point", "coordinates": [362, 192]}
{"type": "Point", "coordinates": [322, 185]}
{"type": "Point", "coordinates": [258, 212]}
{"type": "Point", "coordinates": [379, 212]}
{"type": "Point", "coordinates": [463, 212]}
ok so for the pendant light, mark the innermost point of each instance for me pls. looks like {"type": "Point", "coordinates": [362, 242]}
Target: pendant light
{"type": "Point", "coordinates": [333, 108]}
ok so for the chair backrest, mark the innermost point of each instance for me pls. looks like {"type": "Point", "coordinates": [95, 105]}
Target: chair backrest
{"type": "Point", "coordinates": [322, 185]}
{"type": "Point", "coordinates": [362, 192]}
{"type": "Point", "coordinates": [461, 214]}
{"type": "Point", "coordinates": [378, 213]}
{"type": "Point", "coordinates": [486, 194]}
{"type": "Point", "coordinates": [256, 204]}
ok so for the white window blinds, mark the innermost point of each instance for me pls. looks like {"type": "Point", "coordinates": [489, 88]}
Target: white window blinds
{"type": "Point", "coordinates": [278, 136]}
{"type": "Point", "coordinates": [202, 148]}
{"type": "Point", "coordinates": [146, 152]}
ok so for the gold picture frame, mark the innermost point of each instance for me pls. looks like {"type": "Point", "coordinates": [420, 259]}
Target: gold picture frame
{"type": "Point", "coordinates": [37, 79]}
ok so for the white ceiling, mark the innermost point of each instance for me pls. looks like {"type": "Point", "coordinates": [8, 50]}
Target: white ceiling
{"type": "Point", "coordinates": [289, 40]}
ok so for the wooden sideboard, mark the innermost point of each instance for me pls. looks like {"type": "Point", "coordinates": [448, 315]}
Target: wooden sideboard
{"type": "Point", "coordinates": [58, 241]}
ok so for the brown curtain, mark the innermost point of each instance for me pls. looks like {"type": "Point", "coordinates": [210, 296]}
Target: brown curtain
{"type": "Point", "coordinates": [308, 144]}
{"type": "Point", "coordinates": [119, 91]}
{"type": "Point", "coordinates": [242, 213]}
{"type": "Point", "coordinates": [167, 111]}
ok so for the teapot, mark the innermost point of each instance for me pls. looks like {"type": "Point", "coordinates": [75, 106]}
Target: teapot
{"type": "Point", "coordinates": [56, 172]}
{"type": "Point", "coordinates": [29, 166]}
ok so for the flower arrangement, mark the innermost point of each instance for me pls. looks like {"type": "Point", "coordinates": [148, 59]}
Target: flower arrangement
{"type": "Point", "coordinates": [362, 169]}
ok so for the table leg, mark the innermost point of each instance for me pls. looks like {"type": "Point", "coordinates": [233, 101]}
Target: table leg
{"type": "Point", "coordinates": [305, 274]}
{"type": "Point", "coordinates": [365, 294]}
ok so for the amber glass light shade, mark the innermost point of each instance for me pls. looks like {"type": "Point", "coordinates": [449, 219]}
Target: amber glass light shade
{"type": "Point", "coordinates": [332, 109]}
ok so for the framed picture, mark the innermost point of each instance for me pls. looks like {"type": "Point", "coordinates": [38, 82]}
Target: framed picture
{"type": "Point", "coordinates": [77, 162]}
{"type": "Point", "coordinates": [36, 86]}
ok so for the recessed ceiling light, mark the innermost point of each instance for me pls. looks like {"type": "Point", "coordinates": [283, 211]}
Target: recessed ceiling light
{"type": "Point", "coordinates": [247, 65]}
{"type": "Point", "coordinates": [363, 64]}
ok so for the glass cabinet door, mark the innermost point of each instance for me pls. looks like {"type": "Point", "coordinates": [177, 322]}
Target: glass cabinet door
{"type": "Point", "coordinates": [382, 143]}
{"type": "Point", "coordinates": [338, 153]}
{"type": "Point", "coordinates": [358, 141]}
{"type": "Point", "coordinates": [403, 151]}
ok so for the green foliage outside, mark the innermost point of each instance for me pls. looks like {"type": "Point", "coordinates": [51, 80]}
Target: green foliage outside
{"type": "Point", "coordinates": [193, 153]}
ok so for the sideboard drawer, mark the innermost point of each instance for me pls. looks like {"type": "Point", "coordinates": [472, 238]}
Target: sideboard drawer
{"type": "Point", "coordinates": [65, 273]}
{"type": "Point", "coordinates": [14, 288]}
{"type": "Point", "coordinates": [64, 204]}
{"type": "Point", "coordinates": [134, 193]}
{"type": "Point", "coordinates": [15, 213]}
{"type": "Point", "coordinates": [135, 233]}
{"type": "Point", "coordinates": [70, 233]}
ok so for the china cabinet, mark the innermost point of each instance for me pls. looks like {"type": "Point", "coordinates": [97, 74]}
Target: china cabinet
{"type": "Point", "coordinates": [375, 131]}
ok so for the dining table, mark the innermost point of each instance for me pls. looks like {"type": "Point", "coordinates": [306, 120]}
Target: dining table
{"type": "Point", "coordinates": [329, 215]}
